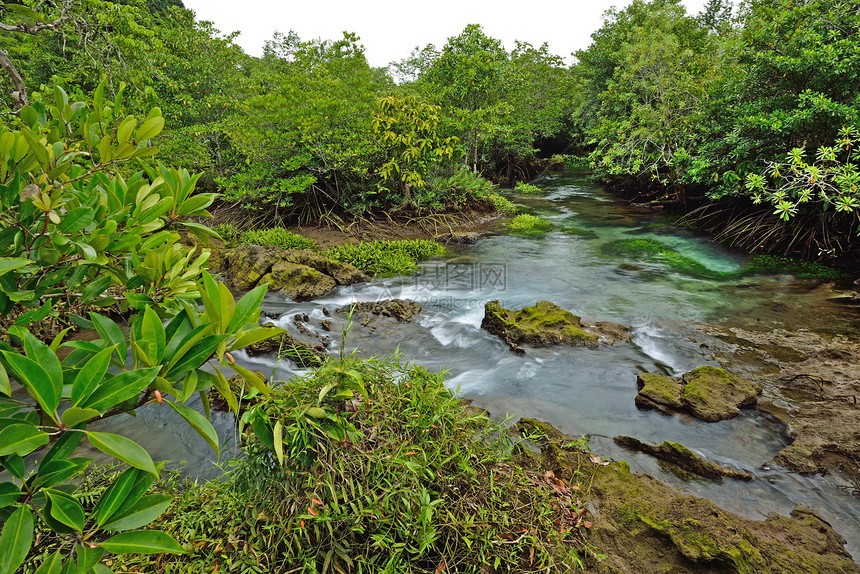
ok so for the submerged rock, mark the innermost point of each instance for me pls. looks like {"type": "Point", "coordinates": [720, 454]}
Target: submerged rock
{"type": "Point", "coordinates": [642, 526]}
{"type": "Point", "coordinates": [399, 309]}
{"type": "Point", "coordinates": [708, 393]}
{"type": "Point", "coordinates": [301, 275]}
{"type": "Point", "coordinates": [682, 457]}
{"type": "Point", "coordinates": [543, 324]}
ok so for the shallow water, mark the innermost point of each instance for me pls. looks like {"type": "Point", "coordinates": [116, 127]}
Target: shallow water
{"type": "Point", "coordinates": [582, 391]}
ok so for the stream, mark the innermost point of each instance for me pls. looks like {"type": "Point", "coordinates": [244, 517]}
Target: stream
{"type": "Point", "coordinates": [582, 391]}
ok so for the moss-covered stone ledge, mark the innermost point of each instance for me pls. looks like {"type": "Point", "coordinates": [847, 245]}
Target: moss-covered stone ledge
{"type": "Point", "coordinates": [546, 323]}
{"type": "Point", "coordinates": [682, 457]}
{"type": "Point", "coordinates": [708, 393]}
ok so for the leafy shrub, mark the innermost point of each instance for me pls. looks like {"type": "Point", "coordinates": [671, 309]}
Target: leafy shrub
{"type": "Point", "coordinates": [526, 223]}
{"type": "Point", "coordinates": [455, 191]}
{"type": "Point", "coordinates": [527, 188]}
{"type": "Point", "coordinates": [502, 204]}
{"type": "Point", "coordinates": [278, 237]}
{"type": "Point", "coordinates": [372, 463]}
{"type": "Point", "coordinates": [386, 258]}
{"type": "Point", "coordinates": [573, 162]}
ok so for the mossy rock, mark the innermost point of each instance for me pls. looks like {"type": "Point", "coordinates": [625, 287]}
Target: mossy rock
{"type": "Point", "coordinates": [298, 282]}
{"type": "Point", "coordinates": [401, 310]}
{"type": "Point", "coordinates": [709, 393]}
{"type": "Point", "coordinates": [714, 394]}
{"type": "Point", "coordinates": [682, 457]}
{"type": "Point", "coordinates": [544, 323]}
{"type": "Point", "coordinates": [656, 391]}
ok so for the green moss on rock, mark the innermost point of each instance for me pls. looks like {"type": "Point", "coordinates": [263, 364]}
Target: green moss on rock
{"type": "Point", "coordinates": [544, 323]}
{"type": "Point", "coordinates": [714, 394]}
{"type": "Point", "coordinates": [657, 389]}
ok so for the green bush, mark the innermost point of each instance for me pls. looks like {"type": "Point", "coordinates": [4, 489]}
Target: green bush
{"type": "Point", "coordinates": [502, 204]}
{"type": "Point", "coordinates": [525, 223]}
{"type": "Point", "coordinates": [386, 258]}
{"type": "Point", "coordinates": [229, 233]}
{"type": "Point", "coordinates": [371, 466]}
{"type": "Point", "coordinates": [277, 237]}
{"type": "Point", "coordinates": [527, 188]}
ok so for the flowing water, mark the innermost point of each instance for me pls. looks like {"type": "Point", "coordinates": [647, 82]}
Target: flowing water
{"type": "Point", "coordinates": [582, 391]}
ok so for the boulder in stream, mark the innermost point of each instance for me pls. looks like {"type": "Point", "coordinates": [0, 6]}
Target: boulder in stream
{"type": "Point", "coordinates": [401, 310]}
{"type": "Point", "coordinates": [682, 457]}
{"type": "Point", "coordinates": [708, 393]}
{"type": "Point", "coordinates": [544, 323]}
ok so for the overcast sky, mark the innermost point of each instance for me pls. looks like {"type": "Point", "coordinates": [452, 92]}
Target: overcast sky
{"type": "Point", "coordinates": [390, 29]}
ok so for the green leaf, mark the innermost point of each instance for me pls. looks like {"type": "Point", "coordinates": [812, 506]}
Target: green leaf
{"type": "Point", "coordinates": [278, 437]}
{"type": "Point", "coordinates": [95, 288]}
{"type": "Point", "coordinates": [42, 354]}
{"type": "Point", "coordinates": [15, 540]}
{"type": "Point", "coordinates": [87, 557]}
{"type": "Point", "coordinates": [21, 439]}
{"type": "Point", "coordinates": [223, 387]}
{"type": "Point", "coordinates": [142, 542]}
{"type": "Point", "coordinates": [77, 219]}
{"type": "Point", "coordinates": [199, 423]}
{"type": "Point", "coordinates": [196, 355]}
{"type": "Point", "coordinates": [252, 379]}
{"type": "Point", "coordinates": [123, 133]}
{"type": "Point", "coordinates": [115, 495]}
{"type": "Point", "coordinates": [111, 333]}
{"type": "Point", "coordinates": [9, 494]}
{"type": "Point", "coordinates": [145, 511]}
{"type": "Point", "coordinates": [255, 335]}
{"type": "Point", "coordinates": [53, 564]}
{"type": "Point", "coordinates": [120, 388]}
{"type": "Point", "coordinates": [75, 415]}
{"type": "Point", "coordinates": [8, 264]}
{"type": "Point", "coordinates": [152, 331]}
{"type": "Point", "coordinates": [150, 128]}
{"type": "Point", "coordinates": [5, 387]}
{"type": "Point", "coordinates": [65, 509]}
{"type": "Point", "coordinates": [55, 472]}
{"type": "Point", "coordinates": [90, 376]}
{"type": "Point", "coordinates": [63, 447]}
{"type": "Point", "coordinates": [38, 383]}
{"type": "Point", "coordinates": [15, 465]}
{"type": "Point", "coordinates": [122, 448]}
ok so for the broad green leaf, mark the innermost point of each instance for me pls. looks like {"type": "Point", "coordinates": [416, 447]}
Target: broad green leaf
{"type": "Point", "coordinates": [91, 376]}
{"type": "Point", "coordinates": [111, 333]}
{"type": "Point", "coordinates": [44, 356]}
{"type": "Point", "coordinates": [8, 264]}
{"type": "Point", "coordinates": [122, 448]}
{"type": "Point", "coordinates": [77, 219]}
{"type": "Point", "coordinates": [120, 389]}
{"type": "Point", "coordinates": [15, 540]}
{"type": "Point", "coordinates": [142, 542]}
{"type": "Point", "coordinates": [53, 564]}
{"type": "Point", "coordinates": [63, 447]}
{"type": "Point", "coordinates": [199, 423]}
{"type": "Point", "coordinates": [278, 437]}
{"type": "Point", "coordinates": [252, 379]}
{"type": "Point", "coordinates": [223, 387]}
{"type": "Point", "coordinates": [75, 415]}
{"type": "Point", "coordinates": [5, 387]}
{"type": "Point", "coordinates": [21, 439]}
{"type": "Point", "coordinates": [58, 471]}
{"type": "Point", "coordinates": [95, 288]}
{"type": "Point", "coordinates": [112, 499]}
{"type": "Point", "coordinates": [150, 128]}
{"type": "Point", "coordinates": [37, 381]}
{"type": "Point", "coordinates": [152, 330]}
{"type": "Point", "coordinates": [145, 511]}
{"type": "Point", "coordinates": [87, 557]}
{"type": "Point", "coordinates": [9, 494]}
{"type": "Point", "coordinates": [123, 133]}
{"type": "Point", "coordinates": [255, 335]}
{"type": "Point", "coordinates": [15, 465]}
{"type": "Point", "coordinates": [65, 509]}
{"type": "Point", "coordinates": [196, 355]}
{"type": "Point", "coordinates": [316, 412]}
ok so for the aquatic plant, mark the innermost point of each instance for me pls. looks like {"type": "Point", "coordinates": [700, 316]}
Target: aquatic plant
{"type": "Point", "coordinates": [764, 264]}
{"type": "Point", "coordinates": [527, 188]}
{"type": "Point", "coordinates": [526, 223]}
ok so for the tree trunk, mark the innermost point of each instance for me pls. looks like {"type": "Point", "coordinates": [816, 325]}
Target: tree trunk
{"type": "Point", "coordinates": [20, 92]}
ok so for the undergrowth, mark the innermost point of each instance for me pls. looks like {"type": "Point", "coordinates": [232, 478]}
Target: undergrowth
{"type": "Point", "coordinates": [277, 237]}
{"type": "Point", "coordinates": [503, 204]}
{"type": "Point", "coordinates": [370, 466]}
{"type": "Point", "coordinates": [527, 188]}
{"type": "Point", "coordinates": [386, 258]}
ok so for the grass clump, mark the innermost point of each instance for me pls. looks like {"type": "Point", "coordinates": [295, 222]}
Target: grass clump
{"type": "Point", "coordinates": [386, 258]}
{"type": "Point", "coordinates": [527, 188]}
{"type": "Point", "coordinates": [526, 223]}
{"type": "Point", "coordinates": [229, 233]}
{"type": "Point", "coordinates": [503, 204]}
{"type": "Point", "coordinates": [277, 237]}
{"type": "Point", "coordinates": [371, 466]}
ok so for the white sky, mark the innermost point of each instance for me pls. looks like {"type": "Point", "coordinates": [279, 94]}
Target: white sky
{"type": "Point", "coordinates": [389, 29]}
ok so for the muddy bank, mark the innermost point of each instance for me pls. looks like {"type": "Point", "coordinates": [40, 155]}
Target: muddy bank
{"type": "Point", "coordinates": [639, 525]}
